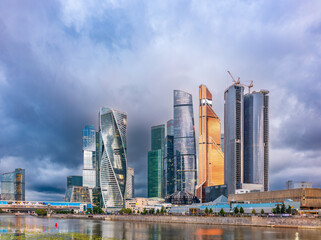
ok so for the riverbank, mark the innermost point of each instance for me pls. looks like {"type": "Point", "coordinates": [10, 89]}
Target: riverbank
{"type": "Point", "coordinates": [255, 221]}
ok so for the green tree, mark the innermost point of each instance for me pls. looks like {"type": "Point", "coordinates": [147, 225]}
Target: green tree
{"type": "Point", "coordinates": [283, 208]}
{"type": "Point", "coordinates": [262, 211]}
{"type": "Point", "coordinates": [211, 211]}
{"type": "Point", "coordinates": [289, 210]}
{"type": "Point", "coordinates": [138, 211]}
{"type": "Point", "coordinates": [41, 212]}
{"type": "Point", "coordinates": [97, 210]}
{"type": "Point", "coordinates": [157, 212]}
{"type": "Point", "coordinates": [241, 210]}
{"type": "Point", "coordinates": [206, 210]}
{"type": "Point", "coordinates": [222, 213]}
{"type": "Point", "coordinates": [274, 211]}
{"type": "Point", "coordinates": [236, 210]}
{"type": "Point", "coordinates": [144, 212]}
{"type": "Point", "coordinates": [162, 210]}
{"type": "Point", "coordinates": [253, 211]}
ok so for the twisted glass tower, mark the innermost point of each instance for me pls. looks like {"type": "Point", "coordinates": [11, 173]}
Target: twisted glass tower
{"type": "Point", "coordinates": [113, 157]}
{"type": "Point", "coordinates": [184, 142]}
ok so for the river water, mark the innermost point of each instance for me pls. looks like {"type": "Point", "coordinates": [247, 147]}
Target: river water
{"type": "Point", "coordinates": [29, 227]}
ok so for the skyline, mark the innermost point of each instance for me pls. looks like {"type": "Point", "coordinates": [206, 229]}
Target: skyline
{"type": "Point", "coordinates": [59, 64]}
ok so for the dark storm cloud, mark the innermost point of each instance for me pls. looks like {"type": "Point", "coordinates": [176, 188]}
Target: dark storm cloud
{"type": "Point", "coordinates": [60, 61]}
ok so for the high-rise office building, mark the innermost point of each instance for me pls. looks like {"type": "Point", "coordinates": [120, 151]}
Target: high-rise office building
{"type": "Point", "coordinates": [184, 142]}
{"type": "Point", "coordinates": [233, 137]}
{"type": "Point", "coordinates": [169, 168]}
{"type": "Point", "coordinates": [222, 142]}
{"type": "Point", "coordinates": [155, 161]}
{"type": "Point", "coordinates": [256, 147]}
{"type": "Point", "coordinates": [210, 155]}
{"type": "Point", "coordinates": [13, 185]}
{"type": "Point", "coordinates": [113, 157]}
{"type": "Point", "coordinates": [89, 157]}
{"type": "Point", "coordinates": [78, 194]}
{"type": "Point", "coordinates": [130, 183]}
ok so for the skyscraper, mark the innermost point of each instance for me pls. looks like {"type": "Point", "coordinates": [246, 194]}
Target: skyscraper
{"type": "Point", "coordinates": [155, 161]}
{"type": "Point", "coordinates": [89, 158]}
{"type": "Point", "coordinates": [256, 145]}
{"type": "Point", "coordinates": [184, 142]}
{"type": "Point", "coordinates": [113, 157]}
{"type": "Point", "coordinates": [13, 185]}
{"type": "Point", "coordinates": [210, 155]}
{"type": "Point", "coordinates": [130, 183]}
{"type": "Point", "coordinates": [233, 137]}
{"type": "Point", "coordinates": [169, 169]}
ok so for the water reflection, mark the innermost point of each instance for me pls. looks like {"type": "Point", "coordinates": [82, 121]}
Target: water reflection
{"type": "Point", "coordinates": [24, 225]}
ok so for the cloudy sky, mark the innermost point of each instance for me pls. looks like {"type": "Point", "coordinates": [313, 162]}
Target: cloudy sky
{"type": "Point", "coordinates": [60, 61]}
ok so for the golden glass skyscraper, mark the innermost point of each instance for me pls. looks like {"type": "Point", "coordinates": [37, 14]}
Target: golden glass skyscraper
{"type": "Point", "coordinates": [211, 157]}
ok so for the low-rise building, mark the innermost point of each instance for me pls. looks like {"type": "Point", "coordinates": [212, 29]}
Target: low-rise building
{"type": "Point", "coordinates": [139, 204]}
{"type": "Point", "coordinates": [309, 198]}
{"type": "Point", "coordinates": [303, 185]}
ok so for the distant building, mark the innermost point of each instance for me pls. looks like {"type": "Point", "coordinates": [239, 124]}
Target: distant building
{"type": "Point", "coordinates": [13, 185]}
{"type": "Point", "coordinates": [289, 184]}
{"type": "Point", "coordinates": [303, 185]}
{"type": "Point", "coordinates": [309, 198]}
{"type": "Point", "coordinates": [139, 204]}
{"type": "Point", "coordinates": [256, 138]}
{"type": "Point", "coordinates": [155, 161]}
{"type": "Point", "coordinates": [74, 181]}
{"type": "Point", "coordinates": [113, 157]}
{"type": "Point", "coordinates": [210, 155]}
{"type": "Point", "coordinates": [78, 194]}
{"type": "Point", "coordinates": [233, 137]}
{"type": "Point", "coordinates": [182, 198]}
{"type": "Point", "coordinates": [89, 157]}
{"type": "Point", "coordinates": [168, 165]}
{"type": "Point", "coordinates": [130, 183]}
{"type": "Point", "coordinates": [184, 142]}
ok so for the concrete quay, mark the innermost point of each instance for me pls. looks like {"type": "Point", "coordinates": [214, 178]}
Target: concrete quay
{"type": "Point", "coordinates": [293, 222]}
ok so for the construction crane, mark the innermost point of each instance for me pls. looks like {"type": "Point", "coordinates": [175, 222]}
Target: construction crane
{"type": "Point", "coordinates": [239, 83]}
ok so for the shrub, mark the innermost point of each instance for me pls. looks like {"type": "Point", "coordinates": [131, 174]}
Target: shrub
{"type": "Point", "coordinates": [289, 210]}
{"type": "Point", "coordinates": [262, 211]}
{"type": "Point", "coordinates": [41, 212]}
{"type": "Point", "coordinates": [253, 211]}
{"type": "Point", "coordinates": [283, 208]}
{"type": "Point", "coordinates": [206, 210]}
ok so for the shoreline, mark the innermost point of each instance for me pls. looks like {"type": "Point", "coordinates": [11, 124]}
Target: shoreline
{"type": "Point", "coordinates": [253, 221]}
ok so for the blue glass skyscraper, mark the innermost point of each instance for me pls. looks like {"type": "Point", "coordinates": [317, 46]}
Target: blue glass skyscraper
{"type": "Point", "coordinates": [184, 142]}
{"type": "Point", "coordinates": [256, 138]}
{"type": "Point", "coordinates": [169, 168]}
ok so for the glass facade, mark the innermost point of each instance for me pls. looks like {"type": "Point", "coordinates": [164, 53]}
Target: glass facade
{"type": "Point", "coordinates": [155, 162]}
{"type": "Point", "coordinates": [77, 194]}
{"type": "Point", "coordinates": [210, 156]}
{"type": "Point", "coordinates": [169, 168]}
{"type": "Point", "coordinates": [130, 183]}
{"type": "Point", "coordinates": [155, 173]}
{"type": "Point", "coordinates": [13, 185]}
{"type": "Point", "coordinates": [74, 181]}
{"type": "Point", "coordinates": [184, 142]}
{"type": "Point", "coordinates": [255, 144]}
{"type": "Point", "coordinates": [113, 157]}
{"type": "Point", "coordinates": [233, 137]}
{"type": "Point", "coordinates": [89, 157]}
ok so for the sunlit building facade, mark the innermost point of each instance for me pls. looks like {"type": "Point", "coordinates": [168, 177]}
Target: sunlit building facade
{"type": "Point", "coordinates": [210, 155]}
{"type": "Point", "coordinates": [78, 194]}
{"type": "Point", "coordinates": [256, 132]}
{"type": "Point", "coordinates": [155, 161]}
{"type": "Point", "coordinates": [184, 142]}
{"type": "Point", "coordinates": [233, 137]}
{"type": "Point", "coordinates": [13, 185]}
{"type": "Point", "coordinates": [113, 157]}
{"type": "Point", "coordinates": [89, 157]}
{"type": "Point", "coordinates": [169, 167]}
